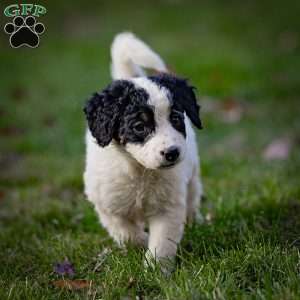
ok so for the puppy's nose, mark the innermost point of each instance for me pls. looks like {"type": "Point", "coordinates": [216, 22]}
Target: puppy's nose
{"type": "Point", "coordinates": [171, 154]}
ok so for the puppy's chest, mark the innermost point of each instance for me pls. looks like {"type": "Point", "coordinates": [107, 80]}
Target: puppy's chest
{"type": "Point", "coordinates": [143, 194]}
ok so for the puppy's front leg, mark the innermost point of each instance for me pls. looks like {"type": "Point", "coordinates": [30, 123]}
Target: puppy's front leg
{"type": "Point", "coordinates": [165, 234]}
{"type": "Point", "coordinates": [123, 230]}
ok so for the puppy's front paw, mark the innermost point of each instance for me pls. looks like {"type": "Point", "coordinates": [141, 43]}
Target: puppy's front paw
{"type": "Point", "coordinates": [139, 239]}
{"type": "Point", "coordinates": [165, 264]}
{"type": "Point", "coordinates": [142, 240]}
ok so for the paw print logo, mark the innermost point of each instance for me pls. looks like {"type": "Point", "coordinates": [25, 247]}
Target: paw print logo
{"type": "Point", "coordinates": [24, 31]}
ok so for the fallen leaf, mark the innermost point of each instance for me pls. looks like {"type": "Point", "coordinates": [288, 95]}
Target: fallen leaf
{"type": "Point", "coordinates": [11, 131]}
{"type": "Point", "coordinates": [209, 104]}
{"type": "Point", "coordinates": [231, 110]}
{"type": "Point", "coordinates": [64, 268]}
{"type": "Point", "coordinates": [2, 194]}
{"type": "Point", "coordinates": [278, 149]}
{"type": "Point", "coordinates": [76, 284]}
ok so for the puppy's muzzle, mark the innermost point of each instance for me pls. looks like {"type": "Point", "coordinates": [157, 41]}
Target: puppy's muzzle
{"type": "Point", "coordinates": [171, 156]}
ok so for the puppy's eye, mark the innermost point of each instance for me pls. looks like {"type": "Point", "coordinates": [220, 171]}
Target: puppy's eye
{"type": "Point", "coordinates": [139, 127]}
{"type": "Point", "coordinates": [176, 119]}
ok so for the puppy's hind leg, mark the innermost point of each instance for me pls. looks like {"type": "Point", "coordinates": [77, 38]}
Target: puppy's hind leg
{"type": "Point", "coordinates": [123, 230]}
{"type": "Point", "coordinates": [194, 195]}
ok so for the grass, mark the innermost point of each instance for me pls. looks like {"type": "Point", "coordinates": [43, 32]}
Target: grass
{"type": "Point", "coordinates": [246, 51]}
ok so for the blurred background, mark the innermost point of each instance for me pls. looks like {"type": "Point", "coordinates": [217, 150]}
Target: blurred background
{"type": "Point", "coordinates": [244, 59]}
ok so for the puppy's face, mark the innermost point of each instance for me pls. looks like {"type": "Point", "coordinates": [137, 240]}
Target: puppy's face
{"type": "Point", "coordinates": [146, 116]}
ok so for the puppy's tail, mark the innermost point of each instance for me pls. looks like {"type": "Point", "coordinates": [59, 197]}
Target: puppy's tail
{"type": "Point", "coordinates": [129, 55]}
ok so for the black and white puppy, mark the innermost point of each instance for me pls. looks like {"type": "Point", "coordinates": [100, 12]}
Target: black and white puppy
{"type": "Point", "coordinates": [142, 164]}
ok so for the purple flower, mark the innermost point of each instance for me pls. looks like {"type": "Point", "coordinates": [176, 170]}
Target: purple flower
{"type": "Point", "coordinates": [64, 268]}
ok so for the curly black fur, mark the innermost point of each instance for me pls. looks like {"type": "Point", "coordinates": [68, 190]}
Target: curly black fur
{"type": "Point", "coordinates": [112, 113]}
{"type": "Point", "coordinates": [120, 109]}
{"type": "Point", "coordinates": [183, 96]}
{"type": "Point", "coordinates": [136, 114]}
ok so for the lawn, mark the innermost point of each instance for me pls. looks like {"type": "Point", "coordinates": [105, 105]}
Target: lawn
{"type": "Point", "coordinates": [244, 59]}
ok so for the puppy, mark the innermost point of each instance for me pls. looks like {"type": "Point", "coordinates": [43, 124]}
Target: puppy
{"type": "Point", "coordinates": [142, 164]}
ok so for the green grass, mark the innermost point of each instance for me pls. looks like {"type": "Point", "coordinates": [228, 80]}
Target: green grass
{"type": "Point", "coordinates": [242, 50]}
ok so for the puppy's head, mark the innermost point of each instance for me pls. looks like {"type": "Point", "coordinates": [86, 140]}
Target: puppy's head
{"type": "Point", "coordinates": [146, 116]}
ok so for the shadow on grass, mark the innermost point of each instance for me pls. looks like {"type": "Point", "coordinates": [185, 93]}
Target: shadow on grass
{"type": "Point", "coordinates": [276, 224]}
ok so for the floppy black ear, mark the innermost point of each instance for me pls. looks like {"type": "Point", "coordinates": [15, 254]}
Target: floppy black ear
{"type": "Point", "coordinates": [103, 110]}
{"type": "Point", "coordinates": [182, 94]}
{"type": "Point", "coordinates": [190, 105]}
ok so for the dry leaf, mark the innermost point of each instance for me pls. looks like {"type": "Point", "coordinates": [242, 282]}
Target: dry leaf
{"type": "Point", "coordinates": [278, 149]}
{"type": "Point", "coordinates": [11, 131]}
{"type": "Point", "coordinates": [209, 104]}
{"type": "Point", "coordinates": [76, 284]}
{"type": "Point", "coordinates": [231, 111]}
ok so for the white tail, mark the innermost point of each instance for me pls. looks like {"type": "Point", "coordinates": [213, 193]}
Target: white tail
{"type": "Point", "coordinates": [129, 55]}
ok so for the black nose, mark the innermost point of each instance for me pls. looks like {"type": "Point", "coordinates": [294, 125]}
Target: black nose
{"type": "Point", "coordinates": [171, 154]}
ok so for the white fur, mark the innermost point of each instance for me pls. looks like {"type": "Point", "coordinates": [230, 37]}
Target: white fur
{"type": "Point", "coordinates": [129, 54]}
{"type": "Point", "coordinates": [127, 187]}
